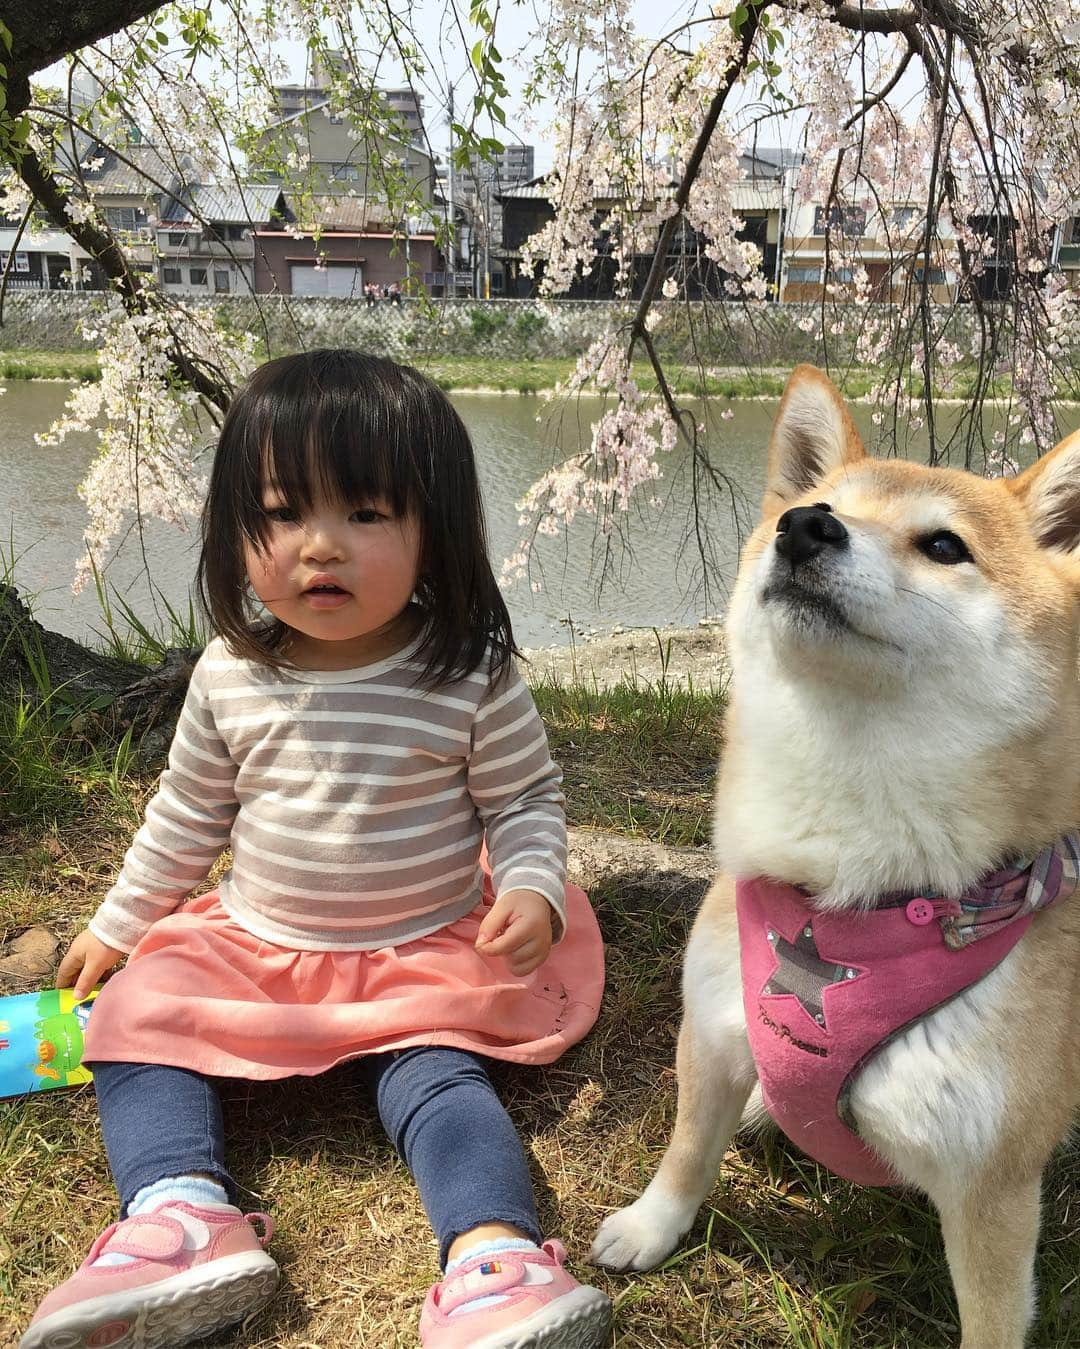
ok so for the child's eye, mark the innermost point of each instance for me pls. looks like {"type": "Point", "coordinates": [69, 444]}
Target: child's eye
{"type": "Point", "coordinates": [281, 515]}
{"type": "Point", "coordinates": [366, 515]}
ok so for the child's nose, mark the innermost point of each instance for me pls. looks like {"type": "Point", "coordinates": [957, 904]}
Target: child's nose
{"type": "Point", "coordinates": [322, 540]}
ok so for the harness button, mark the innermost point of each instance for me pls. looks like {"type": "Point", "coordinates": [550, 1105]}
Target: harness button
{"type": "Point", "coordinates": [920, 912]}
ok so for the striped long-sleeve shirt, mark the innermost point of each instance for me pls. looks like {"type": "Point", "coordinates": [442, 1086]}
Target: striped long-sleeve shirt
{"type": "Point", "coordinates": [354, 801]}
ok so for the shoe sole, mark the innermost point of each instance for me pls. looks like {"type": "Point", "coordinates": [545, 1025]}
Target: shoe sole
{"type": "Point", "coordinates": [583, 1318]}
{"type": "Point", "coordinates": [193, 1305]}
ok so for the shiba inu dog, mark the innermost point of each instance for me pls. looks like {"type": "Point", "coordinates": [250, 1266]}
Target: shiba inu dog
{"type": "Point", "coordinates": [904, 723]}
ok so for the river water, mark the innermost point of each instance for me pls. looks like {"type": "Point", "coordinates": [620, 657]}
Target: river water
{"type": "Point", "coordinates": [652, 581]}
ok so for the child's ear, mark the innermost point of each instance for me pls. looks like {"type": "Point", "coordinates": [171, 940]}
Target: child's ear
{"type": "Point", "coordinates": [1050, 491]}
{"type": "Point", "coordinates": [813, 434]}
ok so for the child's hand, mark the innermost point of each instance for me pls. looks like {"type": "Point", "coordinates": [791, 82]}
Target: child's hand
{"type": "Point", "coordinates": [87, 959]}
{"type": "Point", "coordinates": [518, 927]}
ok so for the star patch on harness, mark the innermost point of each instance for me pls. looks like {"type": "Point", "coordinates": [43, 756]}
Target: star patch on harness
{"type": "Point", "coordinates": [801, 973]}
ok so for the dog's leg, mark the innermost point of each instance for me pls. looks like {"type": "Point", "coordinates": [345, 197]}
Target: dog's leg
{"type": "Point", "coordinates": [715, 1074]}
{"type": "Point", "coordinates": [990, 1233]}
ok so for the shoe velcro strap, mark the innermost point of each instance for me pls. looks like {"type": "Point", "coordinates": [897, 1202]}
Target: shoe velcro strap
{"type": "Point", "coordinates": [147, 1237]}
{"type": "Point", "coordinates": [505, 1276]}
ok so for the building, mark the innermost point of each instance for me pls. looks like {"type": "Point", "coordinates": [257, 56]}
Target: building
{"type": "Point", "coordinates": [318, 149]}
{"type": "Point", "coordinates": [402, 107]}
{"type": "Point", "coordinates": [406, 105]}
{"type": "Point", "coordinates": [335, 246]}
{"type": "Point", "coordinates": [527, 207]}
{"type": "Point", "coordinates": [206, 241]}
{"type": "Point", "coordinates": [42, 259]}
{"type": "Point", "coordinates": [477, 191]}
{"type": "Point", "coordinates": [1067, 250]}
{"type": "Point", "coordinates": [132, 186]}
{"type": "Point", "coordinates": [827, 249]}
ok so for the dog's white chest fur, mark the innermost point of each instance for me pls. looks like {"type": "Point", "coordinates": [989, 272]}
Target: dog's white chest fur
{"type": "Point", "coordinates": [932, 1102]}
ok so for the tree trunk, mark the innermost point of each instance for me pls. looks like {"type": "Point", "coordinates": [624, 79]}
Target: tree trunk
{"type": "Point", "coordinates": [110, 695]}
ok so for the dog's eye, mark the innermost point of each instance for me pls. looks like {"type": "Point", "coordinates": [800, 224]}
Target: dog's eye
{"type": "Point", "coordinates": [944, 547]}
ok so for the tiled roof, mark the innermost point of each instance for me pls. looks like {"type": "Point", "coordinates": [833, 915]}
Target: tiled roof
{"type": "Point", "coordinates": [353, 215]}
{"type": "Point", "coordinates": [535, 189]}
{"type": "Point", "coordinates": [106, 173]}
{"type": "Point", "coordinates": [234, 203]}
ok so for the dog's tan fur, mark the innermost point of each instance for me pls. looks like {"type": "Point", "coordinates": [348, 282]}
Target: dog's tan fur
{"type": "Point", "coordinates": [996, 773]}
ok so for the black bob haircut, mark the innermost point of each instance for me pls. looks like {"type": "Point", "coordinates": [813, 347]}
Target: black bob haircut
{"type": "Point", "coordinates": [340, 424]}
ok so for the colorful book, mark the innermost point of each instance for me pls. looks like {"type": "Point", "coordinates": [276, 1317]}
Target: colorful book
{"type": "Point", "coordinates": [41, 1040]}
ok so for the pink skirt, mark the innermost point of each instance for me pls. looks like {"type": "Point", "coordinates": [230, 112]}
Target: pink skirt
{"type": "Point", "coordinates": [200, 992]}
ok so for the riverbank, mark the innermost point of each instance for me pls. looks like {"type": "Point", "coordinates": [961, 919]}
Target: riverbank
{"type": "Point", "coordinates": [536, 375]}
{"type": "Point", "coordinates": [690, 657]}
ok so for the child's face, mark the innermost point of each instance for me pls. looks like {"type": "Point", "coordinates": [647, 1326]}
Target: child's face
{"type": "Point", "coordinates": [341, 577]}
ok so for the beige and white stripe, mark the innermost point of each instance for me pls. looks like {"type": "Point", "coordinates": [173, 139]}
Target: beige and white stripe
{"type": "Point", "coordinates": [354, 801]}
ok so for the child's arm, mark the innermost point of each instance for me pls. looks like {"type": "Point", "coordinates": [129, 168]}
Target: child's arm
{"type": "Point", "coordinates": [186, 828]}
{"type": "Point", "coordinates": [517, 791]}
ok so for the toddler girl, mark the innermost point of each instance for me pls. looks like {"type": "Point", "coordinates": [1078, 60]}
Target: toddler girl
{"type": "Point", "coordinates": [355, 732]}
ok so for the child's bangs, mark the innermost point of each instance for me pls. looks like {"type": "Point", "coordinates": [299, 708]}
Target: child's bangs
{"type": "Point", "coordinates": [330, 434]}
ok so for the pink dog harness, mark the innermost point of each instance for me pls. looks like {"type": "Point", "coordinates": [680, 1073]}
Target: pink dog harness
{"type": "Point", "coordinates": [825, 992]}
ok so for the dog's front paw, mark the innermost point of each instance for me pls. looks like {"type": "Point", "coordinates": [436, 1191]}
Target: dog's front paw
{"type": "Point", "coordinates": [638, 1237]}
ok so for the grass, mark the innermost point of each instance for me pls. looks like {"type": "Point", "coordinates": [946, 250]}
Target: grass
{"type": "Point", "coordinates": [533, 375]}
{"type": "Point", "coordinates": [781, 1255]}
{"type": "Point", "coordinates": [26, 363]}
{"type": "Point", "coordinates": [637, 758]}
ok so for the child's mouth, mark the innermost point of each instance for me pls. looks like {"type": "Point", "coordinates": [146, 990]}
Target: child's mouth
{"type": "Point", "coordinates": [326, 596]}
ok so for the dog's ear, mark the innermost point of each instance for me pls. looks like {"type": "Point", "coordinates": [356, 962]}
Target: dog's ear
{"type": "Point", "coordinates": [1050, 491]}
{"type": "Point", "coordinates": [813, 434]}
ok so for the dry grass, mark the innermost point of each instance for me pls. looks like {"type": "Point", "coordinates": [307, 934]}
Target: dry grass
{"type": "Point", "coordinates": [783, 1255]}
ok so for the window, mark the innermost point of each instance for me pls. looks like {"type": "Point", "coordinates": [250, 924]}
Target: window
{"type": "Point", "coordinates": [902, 217]}
{"type": "Point", "coordinates": [804, 275]}
{"type": "Point", "coordinates": [221, 283]}
{"type": "Point", "coordinates": [125, 217]}
{"type": "Point", "coordinates": [349, 173]}
{"type": "Point", "coordinates": [1072, 230]}
{"type": "Point", "coordinates": [22, 262]}
{"type": "Point", "coordinates": [172, 276]}
{"type": "Point", "coordinates": [841, 274]}
{"type": "Point", "coordinates": [937, 276]}
{"type": "Point", "coordinates": [197, 276]}
{"type": "Point", "coordinates": [177, 240]}
{"type": "Point", "coordinates": [848, 220]}
{"type": "Point", "coordinates": [238, 232]}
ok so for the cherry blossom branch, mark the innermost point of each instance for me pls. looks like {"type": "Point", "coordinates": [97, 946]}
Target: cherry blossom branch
{"type": "Point", "coordinates": [694, 162]}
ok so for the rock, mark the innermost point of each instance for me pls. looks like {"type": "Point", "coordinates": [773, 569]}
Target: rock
{"type": "Point", "coordinates": [28, 961]}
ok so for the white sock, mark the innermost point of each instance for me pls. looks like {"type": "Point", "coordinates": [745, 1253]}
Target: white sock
{"type": "Point", "coordinates": [188, 1189]}
{"type": "Point", "coordinates": [498, 1246]}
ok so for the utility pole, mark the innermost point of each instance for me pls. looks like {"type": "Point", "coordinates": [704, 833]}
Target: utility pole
{"type": "Point", "coordinates": [487, 232]}
{"type": "Point", "coordinates": [451, 221]}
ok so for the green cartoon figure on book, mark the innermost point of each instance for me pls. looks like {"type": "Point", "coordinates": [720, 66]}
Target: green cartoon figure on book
{"type": "Point", "coordinates": [41, 1041]}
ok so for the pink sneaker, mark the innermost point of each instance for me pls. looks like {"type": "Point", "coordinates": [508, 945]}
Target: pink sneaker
{"type": "Point", "coordinates": [541, 1306]}
{"type": "Point", "coordinates": [195, 1270]}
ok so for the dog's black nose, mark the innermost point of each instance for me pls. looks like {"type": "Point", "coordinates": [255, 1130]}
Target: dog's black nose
{"type": "Point", "coordinates": [804, 531]}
